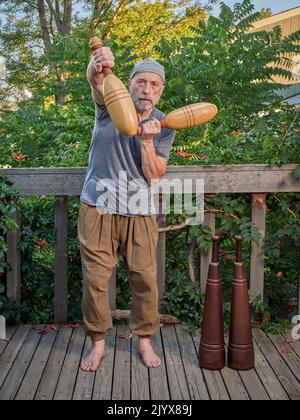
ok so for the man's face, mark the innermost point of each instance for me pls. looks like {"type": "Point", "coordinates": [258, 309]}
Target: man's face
{"type": "Point", "coordinates": [146, 90]}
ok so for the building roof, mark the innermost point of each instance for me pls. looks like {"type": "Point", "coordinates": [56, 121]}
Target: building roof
{"type": "Point", "coordinates": [289, 21]}
{"type": "Point", "coordinates": [274, 20]}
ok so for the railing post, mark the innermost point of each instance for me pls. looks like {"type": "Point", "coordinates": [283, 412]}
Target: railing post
{"type": "Point", "coordinates": [13, 278]}
{"type": "Point", "coordinates": [61, 260]}
{"type": "Point", "coordinates": [161, 251]}
{"type": "Point", "coordinates": [258, 251]}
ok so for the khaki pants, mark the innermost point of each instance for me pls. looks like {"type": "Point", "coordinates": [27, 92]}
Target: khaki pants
{"type": "Point", "coordinates": [100, 235]}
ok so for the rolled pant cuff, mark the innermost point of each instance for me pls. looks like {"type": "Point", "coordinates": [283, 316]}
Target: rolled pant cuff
{"type": "Point", "coordinates": [96, 336]}
{"type": "Point", "coordinates": [145, 333]}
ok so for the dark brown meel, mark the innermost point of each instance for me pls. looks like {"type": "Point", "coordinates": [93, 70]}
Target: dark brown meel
{"type": "Point", "coordinates": [240, 348]}
{"type": "Point", "coordinates": [212, 346]}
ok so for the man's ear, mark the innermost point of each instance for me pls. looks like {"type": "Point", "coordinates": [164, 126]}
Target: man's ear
{"type": "Point", "coordinates": [162, 89]}
{"type": "Point", "coordinates": [129, 82]}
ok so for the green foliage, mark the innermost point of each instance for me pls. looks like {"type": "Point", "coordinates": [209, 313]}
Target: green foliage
{"type": "Point", "coordinates": [278, 326]}
{"type": "Point", "coordinates": [229, 66]}
{"type": "Point", "coordinates": [9, 200]}
{"type": "Point", "coordinates": [169, 23]}
{"type": "Point", "coordinates": [183, 299]}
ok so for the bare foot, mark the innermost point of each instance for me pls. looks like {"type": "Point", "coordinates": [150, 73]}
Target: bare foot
{"type": "Point", "coordinates": [92, 362]}
{"type": "Point", "coordinates": [150, 359]}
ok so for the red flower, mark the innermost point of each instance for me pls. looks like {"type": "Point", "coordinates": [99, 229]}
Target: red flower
{"type": "Point", "coordinates": [42, 243]}
{"type": "Point", "coordinates": [236, 133]}
{"type": "Point", "coordinates": [279, 274]}
{"type": "Point", "coordinates": [54, 327]}
{"type": "Point", "coordinates": [228, 257]}
{"type": "Point", "coordinates": [19, 157]}
{"type": "Point", "coordinates": [184, 154]}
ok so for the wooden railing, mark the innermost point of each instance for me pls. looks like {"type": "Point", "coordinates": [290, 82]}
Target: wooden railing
{"type": "Point", "coordinates": [67, 182]}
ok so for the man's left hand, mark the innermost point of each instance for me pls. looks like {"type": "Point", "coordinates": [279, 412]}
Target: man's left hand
{"type": "Point", "coordinates": [150, 129]}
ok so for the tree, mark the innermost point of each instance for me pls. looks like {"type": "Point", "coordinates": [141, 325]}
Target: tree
{"type": "Point", "coordinates": [30, 30]}
{"type": "Point", "coordinates": [45, 43]}
{"type": "Point", "coordinates": [161, 19]}
{"type": "Point", "coordinates": [265, 13]}
{"type": "Point", "coordinates": [226, 64]}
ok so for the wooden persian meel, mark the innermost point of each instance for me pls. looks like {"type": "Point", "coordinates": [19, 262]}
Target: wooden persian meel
{"type": "Point", "coordinates": [190, 116]}
{"type": "Point", "coordinates": [117, 99]}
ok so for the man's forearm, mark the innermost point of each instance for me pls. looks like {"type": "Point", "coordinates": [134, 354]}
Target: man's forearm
{"type": "Point", "coordinates": [153, 166]}
{"type": "Point", "coordinates": [94, 78]}
{"type": "Point", "coordinates": [96, 82]}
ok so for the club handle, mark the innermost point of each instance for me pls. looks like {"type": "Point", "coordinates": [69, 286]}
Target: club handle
{"type": "Point", "coordinates": [239, 252]}
{"type": "Point", "coordinates": [95, 44]}
{"type": "Point", "coordinates": [216, 248]}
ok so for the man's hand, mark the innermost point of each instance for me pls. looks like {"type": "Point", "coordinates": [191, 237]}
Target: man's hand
{"type": "Point", "coordinates": [150, 129]}
{"type": "Point", "coordinates": [103, 57]}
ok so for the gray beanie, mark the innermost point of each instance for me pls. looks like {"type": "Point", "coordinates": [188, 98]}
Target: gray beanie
{"type": "Point", "coordinates": [148, 65]}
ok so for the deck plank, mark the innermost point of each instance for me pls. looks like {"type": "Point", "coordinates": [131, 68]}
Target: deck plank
{"type": "Point", "coordinates": [234, 385]}
{"type": "Point", "coordinates": [280, 368]}
{"type": "Point", "coordinates": [268, 378]}
{"type": "Point", "coordinates": [295, 345]}
{"type": "Point", "coordinates": [251, 382]}
{"type": "Point", "coordinates": [50, 377]}
{"type": "Point", "coordinates": [85, 380]}
{"type": "Point", "coordinates": [159, 387]}
{"type": "Point", "coordinates": [253, 385]}
{"type": "Point", "coordinates": [213, 379]}
{"type": "Point", "coordinates": [11, 351]}
{"type": "Point", "coordinates": [34, 373]}
{"type": "Point", "coordinates": [104, 376]}
{"type": "Point", "coordinates": [175, 369]}
{"type": "Point", "coordinates": [47, 367]}
{"type": "Point", "coordinates": [16, 374]}
{"type": "Point", "coordinates": [194, 374]}
{"type": "Point", "coordinates": [140, 389]}
{"type": "Point", "coordinates": [288, 355]}
{"type": "Point", "coordinates": [68, 375]}
{"type": "Point", "coordinates": [121, 380]}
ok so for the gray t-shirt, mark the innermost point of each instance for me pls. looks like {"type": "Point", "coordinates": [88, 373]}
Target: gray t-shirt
{"type": "Point", "coordinates": [114, 179]}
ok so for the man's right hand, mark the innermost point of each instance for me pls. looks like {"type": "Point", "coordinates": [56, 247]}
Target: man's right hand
{"type": "Point", "coordinates": [103, 57]}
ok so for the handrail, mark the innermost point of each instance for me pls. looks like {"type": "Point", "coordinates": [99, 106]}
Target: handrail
{"type": "Point", "coordinates": [68, 182]}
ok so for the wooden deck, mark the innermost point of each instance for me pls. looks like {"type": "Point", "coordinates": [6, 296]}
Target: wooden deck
{"type": "Point", "coordinates": [46, 367]}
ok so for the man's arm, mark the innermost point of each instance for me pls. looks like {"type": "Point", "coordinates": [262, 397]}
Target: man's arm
{"type": "Point", "coordinates": [95, 80]}
{"type": "Point", "coordinates": [153, 166]}
{"type": "Point", "coordinates": [101, 57]}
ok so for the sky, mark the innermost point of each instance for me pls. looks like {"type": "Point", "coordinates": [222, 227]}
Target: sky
{"type": "Point", "coordinates": [276, 6]}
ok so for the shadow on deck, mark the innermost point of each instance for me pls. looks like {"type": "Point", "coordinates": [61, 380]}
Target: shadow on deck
{"type": "Point", "coordinates": [41, 366]}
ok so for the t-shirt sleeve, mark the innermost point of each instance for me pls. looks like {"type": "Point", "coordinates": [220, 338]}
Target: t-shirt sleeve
{"type": "Point", "coordinates": [164, 146]}
{"type": "Point", "coordinates": [101, 111]}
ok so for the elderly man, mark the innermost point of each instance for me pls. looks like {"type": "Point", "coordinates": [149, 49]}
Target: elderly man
{"type": "Point", "coordinates": [116, 209]}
